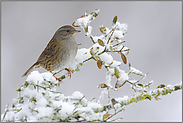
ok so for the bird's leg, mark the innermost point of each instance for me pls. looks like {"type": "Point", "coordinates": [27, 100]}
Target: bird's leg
{"type": "Point", "coordinates": [56, 77]}
{"type": "Point", "coordinates": [69, 71]}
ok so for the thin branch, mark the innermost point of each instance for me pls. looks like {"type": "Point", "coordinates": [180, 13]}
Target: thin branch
{"type": "Point", "coordinates": [5, 114]}
{"type": "Point", "coordinates": [79, 101]}
{"type": "Point", "coordinates": [118, 51]}
{"type": "Point", "coordinates": [33, 110]}
{"type": "Point", "coordinates": [148, 95]}
{"type": "Point", "coordinates": [118, 43]}
{"type": "Point", "coordinates": [108, 96]}
{"type": "Point", "coordinates": [88, 59]}
{"type": "Point", "coordinates": [111, 34]}
{"type": "Point", "coordinates": [92, 39]}
{"type": "Point", "coordinates": [113, 114]}
{"type": "Point", "coordinates": [103, 51]}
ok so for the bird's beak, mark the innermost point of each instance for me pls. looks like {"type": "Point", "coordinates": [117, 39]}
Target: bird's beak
{"type": "Point", "coordinates": [75, 31]}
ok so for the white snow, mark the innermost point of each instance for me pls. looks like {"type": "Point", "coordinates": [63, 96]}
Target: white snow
{"type": "Point", "coordinates": [35, 77]}
{"type": "Point", "coordinates": [77, 95]}
{"type": "Point", "coordinates": [118, 34]}
{"type": "Point", "coordinates": [89, 31]}
{"type": "Point", "coordinates": [134, 70]}
{"type": "Point", "coordinates": [117, 105]}
{"type": "Point", "coordinates": [103, 93]}
{"type": "Point", "coordinates": [9, 116]}
{"type": "Point", "coordinates": [106, 58]}
{"type": "Point", "coordinates": [44, 111]}
{"type": "Point", "coordinates": [85, 21]}
{"type": "Point", "coordinates": [97, 48]}
{"type": "Point", "coordinates": [81, 55]}
{"type": "Point", "coordinates": [170, 87]}
{"type": "Point", "coordinates": [108, 79]}
{"type": "Point", "coordinates": [115, 63]}
{"type": "Point", "coordinates": [25, 111]}
{"type": "Point", "coordinates": [95, 105]}
{"type": "Point", "coordinates": [122, 27]}
{"type": "Point", "coordinates": [122, 75]}
{"type": "Point", "coordinates": [49, 77]}
{"type": "Point", "coordinates": [41, 102]}
{"type": "Point", "coordinates": [29, 92]}
{"type": "Point", "coordinates": [86, 110]}
{"type": "Point", "coordinates": [123, 99]}
{"type": "Point", "coordinates": [102, 37]}
{"type": "Point", "coordinates": [66, 110]}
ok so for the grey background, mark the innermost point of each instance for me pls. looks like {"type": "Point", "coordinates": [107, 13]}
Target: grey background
{"type": "Point", "coordinates": [154, 37]}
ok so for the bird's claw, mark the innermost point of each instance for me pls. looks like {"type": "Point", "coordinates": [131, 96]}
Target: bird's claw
{"type": "Point", "coordinates": [69, 71]}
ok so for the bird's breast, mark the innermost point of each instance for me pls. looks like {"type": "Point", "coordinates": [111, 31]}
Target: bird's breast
{"type": "Point", "coordinates": [66, 54]}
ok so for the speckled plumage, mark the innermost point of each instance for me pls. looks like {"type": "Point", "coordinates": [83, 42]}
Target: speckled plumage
{"type": "Point", "coordinates": [59, 52]}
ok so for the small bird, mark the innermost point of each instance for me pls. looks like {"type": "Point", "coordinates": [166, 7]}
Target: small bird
{"type": "Point", "coordinates": [59, 53]}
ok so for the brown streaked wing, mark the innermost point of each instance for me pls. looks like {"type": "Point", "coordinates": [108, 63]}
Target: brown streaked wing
{"type": "Point", "coordinates": [49, 51]}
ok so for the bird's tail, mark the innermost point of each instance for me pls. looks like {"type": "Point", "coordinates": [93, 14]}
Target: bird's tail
{"type": "Point", "coordinates": [34, 66]}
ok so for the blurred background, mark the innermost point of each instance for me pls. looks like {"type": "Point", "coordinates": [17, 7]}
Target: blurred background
{"type": "Point", "coordinates": [154, 37]}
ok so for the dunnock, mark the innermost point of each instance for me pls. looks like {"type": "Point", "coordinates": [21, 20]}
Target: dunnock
{"type": "Point", "coordinates": [59, 52]}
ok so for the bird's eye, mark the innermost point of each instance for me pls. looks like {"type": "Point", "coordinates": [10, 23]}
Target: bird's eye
{"type": "Point", "coordinates": [67, 30]}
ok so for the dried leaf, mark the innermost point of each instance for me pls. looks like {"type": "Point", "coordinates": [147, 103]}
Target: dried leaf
{"type": "Point", "coordinates": [111, 49]}
{"type": "Point", "coordinates": [161, 86]}
{"type": "Point", "coordinates": [124, 58]}
{"type": "Point", "coordinates": [117, 85]}
{"type": "Point", "coordinates": [101, 43]}
{"type": "Point", "coordinates": [99, 64]}
{"type": "Point", "coordinates": [103, 86]}
{"type": "Point", "coordinates": [102, 29]}
{"type": "Point", "coordinates": [114, 101]}
{"type": "Point", "coordinates": [91, 52]}
{"type": "Point", "coordinates": [116, 72]}
{"type": "Point", "coordinates": [114, 20]}
{"type": "Point", "coordinates": [106, 116]}
{"type": "Point", "coordinates": [112, 41]}
{"type": "Point", "coordinates": [157, 99]}
{"type": "Point", "coordinates": [86, 14]}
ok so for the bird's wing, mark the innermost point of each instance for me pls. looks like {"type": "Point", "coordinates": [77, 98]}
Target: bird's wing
{"type": "Point", "coordinates": [50, 51]}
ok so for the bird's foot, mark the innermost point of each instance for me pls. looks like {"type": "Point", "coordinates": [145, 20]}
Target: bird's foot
{"type": "Point", "coordinates": [56, 77]}
{"type": "Point", "coordinates": [69, 71]}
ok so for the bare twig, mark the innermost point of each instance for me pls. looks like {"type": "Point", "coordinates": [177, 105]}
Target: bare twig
{"type": "Point", "coordinates": [118, 43]}
{"type": "Point", "coordinates": [79, 100]}
{"type": "Point", "coordinates": [111, 34]}
{"type": "Point", "coordinates": [113, 114]}
{"type": "Point", "coordinates": [92, 39]}
{"type": "Point", "coordinates": [88, 59]}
